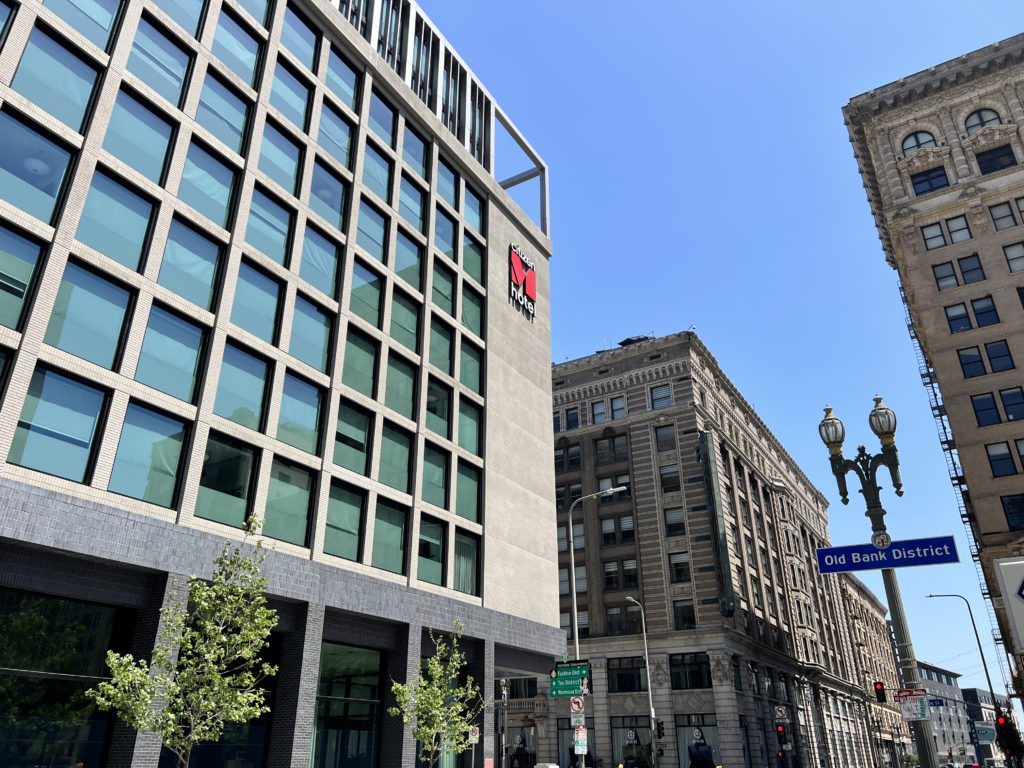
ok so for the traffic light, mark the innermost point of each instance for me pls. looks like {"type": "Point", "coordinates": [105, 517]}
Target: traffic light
{"type": "Point", "coordinates": [880, 691]}
{"type": "Point", "coordinates": [1008, 736]}
{"type": "Point", "coordinates": [660, 728]}
{"type": "Point", "coordinates": [780, 733]}
{"type": "Point", "coordinates": [949, 751]}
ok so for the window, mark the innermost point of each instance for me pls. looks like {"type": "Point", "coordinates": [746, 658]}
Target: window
{"type": "Point", "coordinates": [400, 387]}
{"type": "Point", "coordinates": [683, 614]}
{"type": "Point", "coordinates": [299, 37]}
{"type": "Point", "coordinates": [431, 553]}
{"type": "Point", "coordinates": [669, 479]}
{"type": "Point", "coordinates": [997, 159]}
{"type": "Point", "coordinates": [443, 293]}
{"type": "Point", "coordinates": [970, 268]}
{"type": "Point", "coordinates": [371, 234]}
{"type": "Point", "coordinates": [665, 437]}
{"type": "Point", "coordinates": [557, 421]}
{"type": "Point", "coordinates": [382, 119]}
{"type": "Point", "coordinates": [311, 334]}
{"type": "Point", "coordinates": [933, 236]}
{"type": "Point", "coordinates": [352, 439]}
{"type": "Point", "coordinates": [269, 226]}
{"type": "Point", "coordinates": [958, 229]}
{"type": "Point", "coordinates": [690, 670]}
{"type": "Point", "coordinates": [441, 346]}
{"type": "Point", "coordinates": [288, 502]}
{"type": "Point", "coordinates": [675, 521]}
{"type": "Point", "coordinates": [33, 177]}
{"type": "Point", "coordinates": [169, 360]}
{"type": "Point", "coordinates": [435, 476]}
{"type": "Point", "coordinates": [158, 61]}
{"type": "Point", "coordinates": [207, 184]}
{"type": "Point", "coordinates": [389, 537]}
{"type": "Point", "coordinates": [625, 674]}
{"type": "Point", "coordinates": [447, 184]}
{"type": "Point", "coordinates": [970, 362]}
{"type": "Point", "coordinates": [467, 563]}
{"type": "Point", "coordinates": [999, 358]}
{"type": "Point", "coordinates": [611, 449]}
{"type": "Point", "coordinates": [580, 579]}
{"type": "Point", "coordinates": [473, 311]}
{"type": "Point", "coordinates": [572, 418]}
{"type": "Point", "coordinates": [1002, 216]}
{"type": "Point", "coordinates": [19, 257]}
{"type": "Point", "coordinates": [377, 173]}
{"type": "Point", "coordinates": [56, 432]}
{"type": "Point", "coordinates": [256, 302]}
{"type": "Point", "coordinates": [395, 458]}
{"type": "Point", "coordinates": [405, 321]}
{"type": "Point", "coordinates": [958, 318]}
{"type": "Point", "coordinates": [189, 266]}
{"type": "Point", "coordinates": [414, 152]}
{"type": "Point", "coordinates": [679, 567]}
{"type": "Point", "coordinates": [290, 95]}
{"type": "Point", "coordinates": [611, 576]}
{"type": "Point", "coordinates": [342, 79]}
{"type": "Point", "coordinates": [55, 79]}
{"type": "Point", "coordinates": [343, 534]}
{"type": "Point", "coordinates": [299, 421]}
{"type": "Point", "coordinates": [320, 260]}
{"type": "Point", "coordinates": [661, 396]}
{"type": "Point", "coordinates": [360, 368]}
{"type": "Point", "coordinates": [608, 537]}
{"type": "Point", "coordinates": [563, 581]}
{"type": "Point", "coordinates": [223, 113]}
{"type": "Point", "coordinates": [979, 119]}
{"type": "Point", "coordinates": [335, 135]}
{"type": "Point", "coordinates": [470, 418]}
{"type": "Point", "coordinates": [236, 47]}
{"type": "Point", "coordinates": [929, 181]}
{"type": "Point", "coordinates": [984, 311]}
{"type": "Point", "coordinates": [1013, 403]}
{"type": "Point", "coordinates": [115, 221]}
{"type": "Point", "coordinates": [474, 211]}
{"type": "Point", "coordinates": [241, 390]}
{"type": "Point", "coordinates": [365, 299]}
{"type": "Point", "coordinates": [280, 157]}
{"type": "Point", "coordinates": [916, 141]}
{"type": "Point", "coordinates": [985, 410]}
{"type": "Point", "coordinates": [94, 20]}
{"type": "Point", "coordinates": [597, 413]}
{"type": "Point", "coordinates": [444, 234]}
{"type": "Point", "coordinates": [627, 535]}
{"type": "Point", "coordinates": [1013, 508]}
{"type": "Point", "coordinates": [945, 276]}
{"type": "Point", "coordinates": [618, 407]}
{"type": "Point", "coordinates": [226, 482]}
{"type": "Point", "coordinates": [572, 457]}
{"type": "Point", "coordinates": [467, 492]}
{"type": "Point", "coordinates": [1014, 256]}
{"type": "Point", "coordinates": [473, 259]}
{"type": "Point", "coordinates": [411, 204]}
{"type": "Point", "coordinates": [1000, 459]}
{"type": "Point", "coordinates": [409, 261]}
{"type": "Point", "coordinates": [88, 317]}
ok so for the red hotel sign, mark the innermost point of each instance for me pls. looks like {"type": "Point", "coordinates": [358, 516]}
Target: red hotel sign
{"type": "Point", "coordinates": [522, 275]}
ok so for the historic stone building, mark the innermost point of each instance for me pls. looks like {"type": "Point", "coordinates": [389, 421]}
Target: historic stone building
{"type": "Point", "coordinates": [254, 263]}
{"type": "Point", "coordinates": [940, 154]}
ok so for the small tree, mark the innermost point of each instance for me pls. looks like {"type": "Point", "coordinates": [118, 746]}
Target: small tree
{"type": "Point", "coordinates": [206, 667]}
{"type": "Point", "coordinates": [439, 708]}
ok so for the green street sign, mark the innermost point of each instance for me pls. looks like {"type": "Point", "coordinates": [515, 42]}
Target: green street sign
{"type": "Point", "coordinates": [570, 680]}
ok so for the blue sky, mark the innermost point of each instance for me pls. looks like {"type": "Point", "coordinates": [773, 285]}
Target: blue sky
{"type": "Point", "coordinates": [701, 174]}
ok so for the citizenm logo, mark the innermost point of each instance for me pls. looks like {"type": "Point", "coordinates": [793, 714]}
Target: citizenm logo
{"type": "Point", "coordinates": [522, 278]}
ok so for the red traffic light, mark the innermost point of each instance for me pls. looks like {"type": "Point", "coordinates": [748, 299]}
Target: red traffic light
{"type": "Point", "coordinates": [780, 729]}
{"type": "Point", "coordinates": [1001, 720]}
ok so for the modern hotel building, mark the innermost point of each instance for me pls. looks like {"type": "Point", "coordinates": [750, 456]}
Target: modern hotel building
{"type": "Point", "coordinates": [254, 261]}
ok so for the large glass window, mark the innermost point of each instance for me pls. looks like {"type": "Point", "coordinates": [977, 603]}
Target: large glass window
{"type": "Point", "coordinates": [269, 226]}
{"type": "Point", "coordinates": [207, 185]}
{"type": "Point", "coordinates": [473, 259]}
{"type": "Point", "coordinates": [377, 173]}
{"type": "Point", "coordinates": [94, 18]}
{"type": "Point", "coordinates": [348, 708]}
{"type": "Point", "coordinates": [690, 670]}
{"type": "Point", "coordinates": [441, 346]}
{"type": "Point", "coordinates": [88, 316]}
{"type": "Point", "coordinates": [241, 390]}
{"type": "Point", "coordinates": [431, 551]}
{"type": "Point", "coordinates": [189, 266]}
{"type": "Point", "coordinates": [474, 211]}
{"type": "Point", "coordinates": [467, 563]}
{"type": "Point", "coordinates": [360, 368]}
{"type": "Point", "coordinates": [258, 8]}
{"type": "Point", "coordinates": [328, 195]}
{"type": "Point", "coordinates": [335, 135]}
{"type": "Point", "coordinates": [627, 674]}
{"type": "Point", "coordinates": [382, 119]}
{"type": "Point", "coordinates": [971, 269]}
{"type": "Point", "coordinates": [138, 136]}
{"type": "Point", "coordinates": [409, 260]}
{"type": "Point", "coordinates": [471, 373]}
{"type": "Point", "coordinates": [299, 37]}
{"type": "Point", "coordinates": [467, 492]}
{"type": "Point", "coordinates": [411, 204]}
{"type": "Point", "coordinates": [400, 389]}
{"type": "Point", "coordinates": [290, 95]}
{"type": "Point", "coordinates": [299, 420]}
{"type": "Point", "coordinates": [443, 292]}
{"type": "Point", "coordinates": [447, 184]}
{"type": "Point", "coordinates": [311, 334]}
{"type": "Point", "coordinates": [992, 160]}
{"type": "Point", "coordinates": [970, 362]}
{"type": "Point", "coordinates": [158, 61]}
{"type": "Point", "coordinates": [999, 358]}
{"type": "Point", "coordinates": [395, 458]}
{"type": "Point", "coordinates": [470, 423]}
{"type": "Point", "coordinates": [344, 531]}
{"type": "Point", "coordinates": [352, 439]}
{"type": "Point", "coordinates": [366, 294]}
{"type": "Point", "coordinates": [115, 220]}
{"type": "Point", "coordinates": [1000, 459]}
{"type": "Point", "coordinates": [56, 432]}
{"type": "Point", "coordinates": [405, 321]}
{"type": "Point", "coordinates": [439, 408]}
{"type": "Point", "coordinates": [238, 48]}
{"type": "Point", "coordinates": [148, 456]}
{"type": "Point", "coordinates": [389, 536]}
{"type": "Point", "coordinates": [1013, 403]}
{"type": "Point", "coordinates": [32, 168]}
{"type": "Point", "coordinates": [435, 476]}
{"type": "Point", "coordinates": [19, 257]}
{"type": "Point", "coordinates": [342, 80]}
{"type": "Point", "coordinates": [984, 311]}
{"type": "Point", "coordinates": [958, 319]}
{"type": "Point", "coordinates": [280, 157]}
{"type": "Point", "coordinates": [320, 259]}
{"type": "Point", "coordinates": [51, 76]}
{"type": "Point", "coordinates": [169, 360]}
{"type": "Point", "coordinates": [288, 500]}
{"type": "Point", "coordinates": [223, 113]}
{"type": "Point", "coordinates": [473, 311]}
{"type": "Point", "coordinates": [226, 482]}
{"type": "Point", "coordinates": [186, 12]}
{"type": "Point", "coordinates": [256, 301]}
{"type": "Point", "coordinates": [444, 234]}
{"type": "Point", "coordinates": [414, 152]}
{"type": "Point", "coordinates": [372, 231]}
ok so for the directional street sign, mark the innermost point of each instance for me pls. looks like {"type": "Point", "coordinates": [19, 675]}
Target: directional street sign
{"type": "Point", "coordinates": [571, 679]}
{"type": "Point", "coordinates": [936, 702]}
{"type": "Point", "coordinates": [899, 554]}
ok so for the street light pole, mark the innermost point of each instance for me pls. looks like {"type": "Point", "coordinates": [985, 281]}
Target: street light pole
{"type": "Point", "coordinates": [572, 560]}
{"type": "Point", "coordinates": [650, 680]}
{"type": "Point", "coordinates": [883, 423]}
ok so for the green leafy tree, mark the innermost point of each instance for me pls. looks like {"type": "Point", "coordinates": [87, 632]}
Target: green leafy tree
{"type": "Point", "coordinates": [436, 704]}
{"type": "Point", "coordinates": [206, 667]}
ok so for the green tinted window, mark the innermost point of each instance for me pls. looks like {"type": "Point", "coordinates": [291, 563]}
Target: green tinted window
{"type": "Point", "coordinates": [299, 420]}
{"type": "Point", "coordinates": [19, 257]}
{"type": "Point", "coordinates": [409, 261]}
{"type": "Point", "coordinates": [444, 289]}
{"type": "Point", "coordinates": [344, 531]}
{"type": "Point", "coordinates": [430, 560]}
{"type": "Point", "coordinates": [170, 354]}
{"type": "Point", "coordinates": [335, 135]}
{"type": "Point", "coordinates": [360, 369]}
{"type": "Point", "coordinates": [414, 152]}
{"type": "Point", "coordinates": [471, 367]}
{"type": "Point", "coordinates": [148, 456]}
{"type": "Point", "coordinates": [241, 391]}
{"type": "Point", "coordinates": [270, 226]}
{"type": "Point", "coordinates": [467, 494]}
{"type": "Point", "coordinates": [439, 408]}
{"type": "Point", "coordinates": [225, 486]}
{"type": "Point", "coordinates": [410, 204]}
{"type": "Point", "coordinates": [115, 221]}
{"type": "Point", "coordinates": [446, 184]}
{"type": "Point", "coordinates": [320, 260]}
{"type": "Point", "coordinates": [473, 259]}
{"type": "Point", "coordinates": [255, 306]}
{"type": "Point", "coordinates": [473, 311]}
{"type": "Point", "coordinates": [405, 321]}
{"type": "Point", "coordinates": [372, 231]}
{"type": "Point", "coordinates": [366, 294]}
{"type": "Point", "coordinates": [189, 266]}
{"type": "Point", "coordinates": [400, 388]}
{"type": "Point", "coordinates": [395, 458]}
{"type": "Point", "coordinates": [311, 334]}
{"type": "Point", "coordinates": [352, 440]}
{"type": "Point", "coordinates": [467, 558]}
{"type": "Point", "coordinates": [435, 477]}
{"type": "Point", "coordinates": [441, 346]}
{"type": "Point", "coordinates": [88, 316]}
{"type": "Point", "coordinates": [288, 500]}
{"type": "Point", "coordinates": [470, 418]}
{"type": "Point", "coordinates": [207, 184]}
{"type": "Point", "coordinates": [138, 136]}
{"type": "Point", "coordinates": [389, 537]}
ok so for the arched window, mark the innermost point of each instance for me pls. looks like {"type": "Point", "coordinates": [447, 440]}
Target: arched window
{"type": "Point", "coordinates": [979, 119]}
{"type": "Point", "coordinates": [915, 141]}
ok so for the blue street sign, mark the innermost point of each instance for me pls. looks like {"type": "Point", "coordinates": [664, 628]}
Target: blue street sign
{"type": "Point", "coordinates": [899, 554]}
{"type": "Point", "coordinates": [936, 702]}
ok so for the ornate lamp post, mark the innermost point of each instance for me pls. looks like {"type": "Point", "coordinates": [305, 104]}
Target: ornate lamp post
{"type": "Point", "coordinates": [865, 466]}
